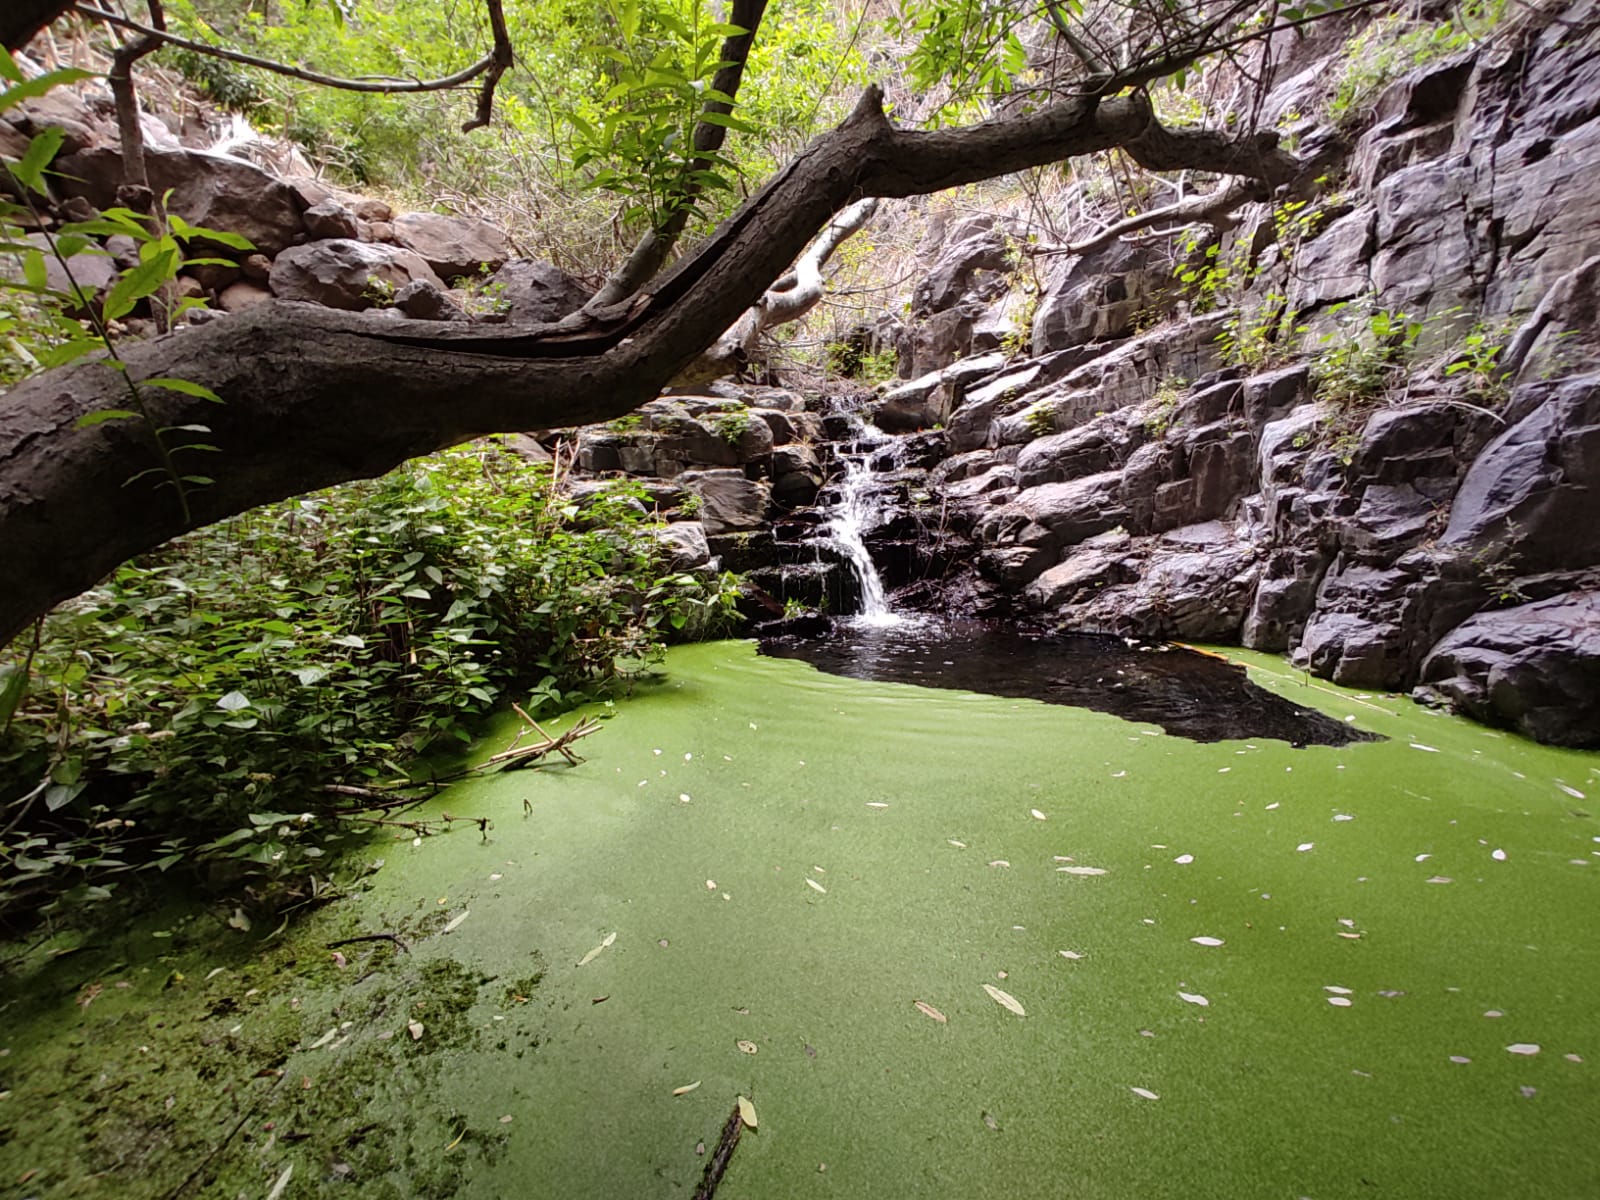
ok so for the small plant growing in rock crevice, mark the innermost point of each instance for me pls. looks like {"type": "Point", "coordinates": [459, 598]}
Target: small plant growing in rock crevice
{"type": "Point", "coordinates": [731, 426]}
{"type": "Point", "coordinates": [1040, 421]}
{"type": "Point", "coordinates": [1356, 362]}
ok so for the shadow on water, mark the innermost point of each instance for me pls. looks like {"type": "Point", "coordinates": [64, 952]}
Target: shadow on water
{"type": "Point", "coordinates": [1188, 693]}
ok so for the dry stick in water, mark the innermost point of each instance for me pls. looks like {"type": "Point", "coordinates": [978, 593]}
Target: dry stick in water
{"type": "Point", "coordinates": [720, 1157]}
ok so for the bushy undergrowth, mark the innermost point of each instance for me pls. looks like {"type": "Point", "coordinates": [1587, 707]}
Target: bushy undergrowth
{"type": "Point", "coordinates": [188, 713]}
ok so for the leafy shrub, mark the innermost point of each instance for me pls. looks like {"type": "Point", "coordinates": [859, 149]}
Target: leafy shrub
{"type": "Point", "coordinates": [192, 709]}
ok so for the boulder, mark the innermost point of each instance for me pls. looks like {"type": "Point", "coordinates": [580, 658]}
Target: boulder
{"type": "Point", "coordinates": [1534, 668]}
{"type": "Point", "coordinates": [331, 220]}
{"type": "Point", "coordinates": [537, 292]}
{"type": "Point", "coordinates": [729, 502]}
{"type": "Point", "coordinates": [424, 300]}
{"type": "Point", "coordinates": [341, 273]}
{"type": "Point", "coordinates": [211, 190]}
{"type": "Point", "coordinates": [1098, 296]}
{"type": "Point", "coordinates": [1530, 497]}
{"type": "Point", "coordinates": [453, 246]}
{"type": "Point", "coordinates": [237, 297]}
{"type": "Point", "coordinates": [685, 545]}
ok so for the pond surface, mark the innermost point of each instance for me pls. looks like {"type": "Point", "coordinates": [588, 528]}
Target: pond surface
{"type": "Point", "coordinates": [1247, 970]}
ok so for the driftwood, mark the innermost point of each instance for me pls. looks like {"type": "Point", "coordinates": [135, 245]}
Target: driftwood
{"type": "Point", "coordinates": [717, 1164]}
{"type": "Point", "coordinates": [516, 755]}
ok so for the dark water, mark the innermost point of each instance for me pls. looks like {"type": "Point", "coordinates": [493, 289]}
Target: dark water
{"type": "Point", "coordinates": [1187, 693]}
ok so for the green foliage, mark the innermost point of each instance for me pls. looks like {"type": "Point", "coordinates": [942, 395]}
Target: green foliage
{"type": "Point", "coordinates": [189, 711]}
{"type": "Point", "coordinates": [1475, 363]}
{"type": "Point", "coordinates": [1256, 335]}
{"type": "Point", "coordinates": [974, 47]}
{"type": "Point", "coordinates": [732, 425]}
{"type": "Point", "coordinates": [1392, 45]}
{"type": "Point", "coordinates": [1040, 420]}
{"type": "Point", "coordinates": [1356, 362]}
{"type": "Point", "coordinates": [1163, 405]}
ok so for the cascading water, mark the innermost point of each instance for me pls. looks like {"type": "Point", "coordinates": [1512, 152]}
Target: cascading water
{"type": "Point", "coordinates": [857, 512]}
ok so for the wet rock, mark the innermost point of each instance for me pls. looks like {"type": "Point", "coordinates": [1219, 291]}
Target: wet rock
{"type": "Point", "coordinates": [1534, 668]}
{"type": "Point", "coordinates": [1088, 450]}
{"type": "Point", "coordinates": [341, 273]}
{"type": "Point", "coordinates": [1283, 599]}
{"type": "Point", "coordinates": [453, 246]}
{"type": "Point", "coordinates": [1098, 296]}
{"type": "Point", "coordinates": [796, 476]}
{"type": "Point", "coordinates": [537, 293]}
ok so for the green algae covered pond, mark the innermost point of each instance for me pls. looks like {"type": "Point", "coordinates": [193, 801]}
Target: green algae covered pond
{"type": "Point", "coordinates": [947, 944]}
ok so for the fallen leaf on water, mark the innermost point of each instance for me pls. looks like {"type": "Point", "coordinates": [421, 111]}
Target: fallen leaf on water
{"type": "Point", "coordinates": [595, 953]}
{"type": "Point", "coordinates": [1072, 954]}
{"type": "Point", "coordinates": [1420, 746]}
{"type": "Point", "coordinates": [1184, 859]}
{"type": "Point", "coordinates": [991, 1123]}
{"type": "Point", "coordinates": [1037, 815]}
{"type": "Point", "coordinates": [1440, 879]}
{"type": "Point", "coordinates": [506, 1120]}
{"type": "Point", "coordinates": [1194, 998]}
{"type": "Point", "coordinates": [747, 1047]}
{"type": "Point", "coordinates": [455, 922]}
{"type": "Point", "coordinates": [1336, 989]}
{"type": "Point", "coordinates": [686, 1088]}
{"type": "Point", "coordinates": [747, 1112]}
{"type": "Point", "coordinates": [683, 797]}
{"type": "Point", "coordinates": [1304, 846]}
{"type": "Point", "coordinates": [876, 804]}
{"type": "Point", "coordinates": [340, 961]}
{"type": "Point", "coordinates": [282, 1184]}
{"type": "Point", "coordinates": [1340, 1001]}
{"type": "Point", "coordinates": [1082, 870]}
{"type": "Point", "coordinates": [1005, 1000]}
{"type": "Point", "coordinates": [699, 1147]}
{"type": "Point", "coordinates": [1000, 862]}
{"type": "Point", "coordinates": [1498, 855]}
{"type": "Point", "coordinates": [1571, 791]}
{"type": "Point", "coordinates": [457, 1142]}
{"type": "Point", "coordinates": [1146, 1093]}
{"type": "Point", "coordinates": [416, 1030]}
{"type": "Point", "coordinates": [956, 844]}
{"type": "Point", "coordinates": [1207, 941]}
{"type": "Point", "coordinates": [1460, 1059]}
{"type": "Point", "coordinates": [929, 1010]}
{"type": "Point", "coordinates": [324, 1039]}
{"type": "Point", "coordinates": [815, 886]}
{"type": "Point", "coordinates": [1524, 1048]}
{"type": "Point", "coordinates": [711, 885]}
{"type": "Point", "coordinates": [239, 921]}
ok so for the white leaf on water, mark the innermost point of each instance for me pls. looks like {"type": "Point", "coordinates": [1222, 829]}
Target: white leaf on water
{"type": "Point", "coordinates": [876, 804]}
{"type": "Point", "coordinates": [415, 1029]}
{"type": "Point", "coordinates": [1340, 1001]}
{"type": "Point", "coordinates": [1439, 879]}
{"type": "Point", "coordinates": [1337, 990]}
{"type": "Point", "coordinates": [746, 1047]}
{"type": "Point", "coordinates": [753, 725]}
{"type": "Point", "coordinates": [1207, 941]}
{"type": "Point", "coordinates": [1304, 846]}
{"type": "Point", "coordinates": [1063, 858]}
{"type": "Point", "coordinates": [595, 953]}
{"type": "Point", "coordinates": [455, 922]}
{"type": "Point", "coordinates": [1494, 1012]}
{"type": "Point", "coordinates": [1573, 1058]}
{"type": "Point", "coordinates": [711, 885]}
{"type": "Point", "coordinates": [819, 870]}
{"type": "Point", "coordinates": [1347, 922]}
{"type": "Point", "coordinates": [929, 1010]}
{"type": "Point", "coordinates": [1571, 791]}
{"type": "Point", "coordinates": [1343, 817]}
{"type": "Point", "coordinates": [496, 877]}
{"type": "Point", "coordinates": [1037, 815]}
{"type": "Point", "coordinates": [683, 797]}
{"type": "Point", "coordinates": [1072, 954]}
{"type": "Point", "coordinates": [416, 842]}
{"type": "Point", "coordinates": [324, 1039]}
{"type": "Point", "coordinates": [686, 1088]}
{"type": "Point", "coordinates": [1527, 1049]}
{"type": "Point", "coordinates": [1119, 774]}
{"type": "Point", "coordinates": [1420, 746]}
{"type": "Point", "coordinates": [956, 844]}
{"type": "Point", "coordinates": [1422, 858]}
{"type": "Point", "coordinates": [1273, 805]}
{"type": "Point", "coordinates": [1498, 856]}
{"type": "Point", "coordinates": [1223, 770]}
{"type": "Point", "coordinates": [656, 752]}
{"type": "Point", "coordinates": [282, 1183]}
{"type": "Point", "coordinates": [1460, 1058]}
{"type": "Point", "coordinates": [1194, 998]}
{"type": "Point", "coordinates": [1146, 1093]}
{"type": "Point", "coordinates": [688, 757]}
{"type": "Point", "coordinates": [1005, 1000]}
{"type": "Point", "coordinates": [1184, 859]}
{"type": "Point", "coordinates": [1000, 862]}
{"type": "Point", "coordinates": [747, 1112]}
{"type": "Point", "coordinates": [1082, 870]}
{"type": "Point", "coordinates": [816, 887]}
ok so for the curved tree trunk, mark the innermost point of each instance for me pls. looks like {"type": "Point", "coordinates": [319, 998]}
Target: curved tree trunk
{"type": "Point", "coordinates": [314, 397]}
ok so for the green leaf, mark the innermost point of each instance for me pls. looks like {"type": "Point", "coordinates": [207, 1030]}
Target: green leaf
{"type": "Point", "coordinates": [28, 89]}
{"type": "Point", "coordinates": [8, 67]}
{"type": "Point", "coordinates": [728, 122]}
{"type": "Point", "coordinates": [186, 386]}
{"type": "Point", "coordinates": [144, 280]}
{"type": "Point", "coordinates": [13, 688]}
{"type": "Point", "coordinates": [40, 153]}
{"type": "Point", "coordinates": [233, 702]}
{"type": "Point", "coordinates": [33, 270]}
{"type": "Point", "coordinates": [417, 593]}
{"type": "Point", "coordinates": [102, 415]}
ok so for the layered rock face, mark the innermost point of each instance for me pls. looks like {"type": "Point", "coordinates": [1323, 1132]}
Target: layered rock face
{"type": "Point", "coordinates": [1442, 528]}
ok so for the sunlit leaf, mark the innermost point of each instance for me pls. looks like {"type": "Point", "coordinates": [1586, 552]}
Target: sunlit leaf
{"type": "Point", "coordinates": [1005, 1000]}
{"type": "Point", "coordinates": [929, 1010]}
{"type": "Point", "coordinates": [747, 1112]}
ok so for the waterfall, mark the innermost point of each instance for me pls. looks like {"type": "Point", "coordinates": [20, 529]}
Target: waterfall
{"type": "Point", "coordinates": [858, 511]}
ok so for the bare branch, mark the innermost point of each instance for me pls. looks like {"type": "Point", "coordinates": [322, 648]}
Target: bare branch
{"type": "Point", "coordinates": [466, 75]}
{"type": "Point", "coordinates": [1206, 207]}
{"type": "Point", "coordinates": [499, 62]}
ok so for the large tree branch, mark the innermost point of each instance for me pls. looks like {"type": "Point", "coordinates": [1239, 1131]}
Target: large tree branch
{"type": "Point", "coordinates": [315, 397]}
{"type": "Point", "coordinates": [20, 20]}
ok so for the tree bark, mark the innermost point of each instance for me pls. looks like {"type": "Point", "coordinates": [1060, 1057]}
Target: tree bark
{"type": "Point", "coordinates": [21, 19]}
{"type": "Point", "coordinates": [314, 397]}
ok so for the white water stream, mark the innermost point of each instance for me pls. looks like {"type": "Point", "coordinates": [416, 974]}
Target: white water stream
{"type": "Point", "coordinates": [857, 512]}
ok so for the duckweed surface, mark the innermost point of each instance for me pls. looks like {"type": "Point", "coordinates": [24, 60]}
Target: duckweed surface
{"type": "Point", "coordinates": [947, 945]}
